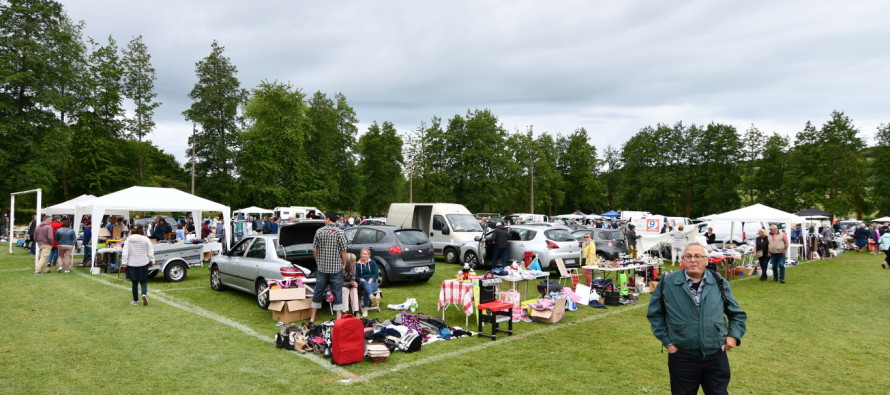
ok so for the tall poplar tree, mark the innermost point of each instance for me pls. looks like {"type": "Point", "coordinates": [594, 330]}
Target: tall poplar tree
{"type": "Point", "coordinates": [139, 78]}
{"type": "Point", "coordinates": [217, 96]}
{"type": "Point", "coordinates": [380, 160]}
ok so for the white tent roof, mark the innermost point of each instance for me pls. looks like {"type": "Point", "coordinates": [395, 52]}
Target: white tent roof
{"type": "Point", "coordinates": [67, 208]}
{"type": "Point", "coordinates": [882, 219]}
{"type": "Point", "coordinates": [148, 199]}
{"type": "Point", "coordinates": [756, 212]}
{"type": "Point", "coordinates": [254, 210]}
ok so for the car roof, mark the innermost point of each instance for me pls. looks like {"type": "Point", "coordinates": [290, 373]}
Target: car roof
{"type": "Point", "coordinates": [536, 227]}
{"type": "Point", "coordinates": [391, 228]}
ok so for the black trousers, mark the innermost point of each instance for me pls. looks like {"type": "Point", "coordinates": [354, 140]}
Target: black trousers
{"type": "Point", "coordinates": [689, 371]}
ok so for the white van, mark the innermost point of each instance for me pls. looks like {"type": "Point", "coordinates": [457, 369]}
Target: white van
{"type": "Point", "coordinates": [448, 225]}
{"type": "Point", "coordinates": [722, 230]}
{"type": "Point", "coordinates": [628, 215]}
{"type": "Point", "coordinates": [295, 212]}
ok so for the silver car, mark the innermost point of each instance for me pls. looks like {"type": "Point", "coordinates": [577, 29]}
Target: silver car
{"type": "Point", "coordinates": [254, 260]}
{"type": "Point", "coordinates": [548, 243]}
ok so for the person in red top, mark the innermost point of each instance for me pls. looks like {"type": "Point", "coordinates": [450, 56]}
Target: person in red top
{"type": "Point", "coordinates": [54, 253]}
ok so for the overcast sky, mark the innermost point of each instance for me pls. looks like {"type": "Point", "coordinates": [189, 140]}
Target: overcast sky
{"type": "Point", "coordinates": [609, 67]}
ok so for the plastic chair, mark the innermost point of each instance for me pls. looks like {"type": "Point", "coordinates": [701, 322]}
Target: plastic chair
{"type": "Point", "coordinates": [565, 273]}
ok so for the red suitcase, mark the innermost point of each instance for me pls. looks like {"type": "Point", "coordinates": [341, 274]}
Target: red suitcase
{"type": "Point", "coordinates": [347, 340]}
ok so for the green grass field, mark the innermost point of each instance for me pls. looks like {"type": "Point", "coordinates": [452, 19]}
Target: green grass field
{"type": "Point", "coordinates": [822, 332]}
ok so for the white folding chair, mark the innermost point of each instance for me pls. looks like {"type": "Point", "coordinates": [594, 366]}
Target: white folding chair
{"type": "Point", "coordinates": [564, 272]}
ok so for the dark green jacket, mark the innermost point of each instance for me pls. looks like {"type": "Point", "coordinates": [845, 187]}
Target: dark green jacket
{"type": "Point", "coordinates": [675, 319]}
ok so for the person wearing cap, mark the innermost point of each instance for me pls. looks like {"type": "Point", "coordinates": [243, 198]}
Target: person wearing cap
{"type": "Point", "coordinates": [499, 237]}
{"type": "Point", "coordinates": [631, 237]}
{"type": "Point", "coordinates": [329, 250]}
{"type": "Point", "coordinates": [44, 236]}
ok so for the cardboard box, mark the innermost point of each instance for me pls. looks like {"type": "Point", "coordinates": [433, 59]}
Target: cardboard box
{"type": "Point", "coordinates": [551, 317]}
{"type": "Point", "coordinates": [287, 294]}
{"type": "Point", "coordinates": [652, 285]}
{"type": "Point", "coordinates": [291, 310]}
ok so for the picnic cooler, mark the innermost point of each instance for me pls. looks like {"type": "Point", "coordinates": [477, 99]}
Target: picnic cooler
{"type": "Point", "coordinates": [348, 340]}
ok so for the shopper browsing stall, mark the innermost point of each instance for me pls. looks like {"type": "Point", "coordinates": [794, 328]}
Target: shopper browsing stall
{"type": "Point", "coordinates": [329, 250]}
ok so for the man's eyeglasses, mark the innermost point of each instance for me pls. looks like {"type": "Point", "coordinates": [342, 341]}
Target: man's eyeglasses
{"type": "Point", "coordinates": [696, 257]}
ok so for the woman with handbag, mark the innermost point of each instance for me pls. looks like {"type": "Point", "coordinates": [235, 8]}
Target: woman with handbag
{"type": "Point", "coordinates": [761, 251]}
{"type": "Point", "coordinates": [137, 256]}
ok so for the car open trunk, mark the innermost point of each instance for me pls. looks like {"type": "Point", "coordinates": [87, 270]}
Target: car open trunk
{"type": "Point", "coordinates": [296, 239]}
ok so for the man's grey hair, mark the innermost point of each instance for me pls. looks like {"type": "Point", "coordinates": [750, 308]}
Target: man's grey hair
{"type": "Point", "coordinates": [695, 243]}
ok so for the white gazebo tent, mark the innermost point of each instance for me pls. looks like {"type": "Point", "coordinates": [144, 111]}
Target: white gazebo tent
{"type": "Point", "coordinates": [148, 199]}
{"type": "Point", "coordinates": [882, 219]}
{"type": "Point", "coordinates": [70, 208]}
{"type": "Point", "coordinates": [757, 213]}
{"type": "Point", "coordinates": [67, 208]}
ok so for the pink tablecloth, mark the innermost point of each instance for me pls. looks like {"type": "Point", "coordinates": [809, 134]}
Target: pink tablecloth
{"type": "Point", "coordinates": [457, 293]}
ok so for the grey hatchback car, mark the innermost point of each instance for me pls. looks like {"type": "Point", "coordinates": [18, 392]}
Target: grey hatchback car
{"type": "Point", "coordinates": [401, 254]}
{"type": "Point", "coordinates": [610, 243]}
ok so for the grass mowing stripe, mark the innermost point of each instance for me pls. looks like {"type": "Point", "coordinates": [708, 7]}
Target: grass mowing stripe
{"type": "Point", "coordinates": [179, 289]}
{"type": "Point", "coordinates": [225, 321]}
{"type": "Point", "coordinates": [505, 340]}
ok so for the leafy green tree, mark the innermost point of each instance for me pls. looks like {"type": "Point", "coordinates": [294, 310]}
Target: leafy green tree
{"type": "Point", "coordinates": [217, 96]}
{"type": "Point", "coordinates": [40, 56]}
{"type": "Point", "coordinates": [753, 143]}
{"type": "Point", "coordinates": [139, 77]}
{"type": "Point", "coordinates": [769, 181]}
{"type": "Point", "coordinates": [880, 175]}
{"type": "Point", "coordinates": [431, 178]}
{"type": "Point", "coordinates": [715, 178]}
{"type": "Point", "coordinates": [610, 174]}
{"type": "Point", "coordinates": [272, 160]}
{"type": "Point", "coordinates": [519, 184]}
{"type": "Point", "coordinates": [476, 145]}
{"type": "Point", "coordinates": [579, 165]}
{"type": "Point", "coordinates": [550, 190]}
{"type": "Point", "coordinates": [380, 160]}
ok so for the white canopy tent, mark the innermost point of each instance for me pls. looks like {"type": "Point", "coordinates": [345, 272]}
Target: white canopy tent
{"type": "Point", "coordinates": [67, 208]}
{"type": "Point", "coordinates": [757, 213]}
{"type": "Point", "coordinates": [882, 219]}
{"type": "Point", "coordinates": [148, 199]}
{"type": "Point", "coordinates": [253, 210]}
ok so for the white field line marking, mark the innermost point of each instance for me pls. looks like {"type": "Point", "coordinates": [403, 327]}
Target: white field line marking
{"type": "Point", "coordinates": [17, 270]}
{"type": "Point", "coordinates": [500, 341]}
{"type": "Point", "coordinates": [225, 321]}
{"type": "Point", "coordinates": [179, 289]}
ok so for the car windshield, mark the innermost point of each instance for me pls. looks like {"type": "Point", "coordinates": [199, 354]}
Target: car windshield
{"type": "Point", "coordinates": [464, 223]}
{"type": "Point", "coordinates": [411, 237]}
{"type": "Point", "coordinates": [611, 235]}
{"type": "Point", "coordinates": [558, 235]}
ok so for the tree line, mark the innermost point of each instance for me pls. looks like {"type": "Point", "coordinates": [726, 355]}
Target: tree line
{"type": "Point", "coordinates": [64, 128]}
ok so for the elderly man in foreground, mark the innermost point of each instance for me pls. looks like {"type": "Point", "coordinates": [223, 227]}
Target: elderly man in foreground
{"type": "Point", "coordinates": [695, 316]}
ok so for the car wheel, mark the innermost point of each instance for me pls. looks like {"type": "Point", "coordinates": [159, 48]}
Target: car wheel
{"type": "Point", "coordinates": [382, 280]}
{"type": "Point", "coordinates": [450, 256]}
{"type": "Point", "coordinates": [262, 294]}
{"type": "Point", "coordinates": [175, 272]}
{"type": "Point", "coordinates": [215, 280]}
{"type": "Point", "coordinates": [472, 259]}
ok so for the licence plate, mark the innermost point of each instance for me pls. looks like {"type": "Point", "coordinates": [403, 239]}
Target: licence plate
{"type": "Point", "coordinates": [569, 261]}
{"type": "Point", "coordinates": [421, 269]}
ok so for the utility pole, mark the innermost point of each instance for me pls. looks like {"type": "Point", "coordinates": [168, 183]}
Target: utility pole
{"type": "Point", "coordinates": [531, 208]}
{"type": "Point", "coordinates": [194, 131]}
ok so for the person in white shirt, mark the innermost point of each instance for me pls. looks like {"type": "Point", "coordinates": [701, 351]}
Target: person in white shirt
{"type": "Point", "coordinates": [137, 256]}
{"type": "Point", "coordinates": [678, 242]}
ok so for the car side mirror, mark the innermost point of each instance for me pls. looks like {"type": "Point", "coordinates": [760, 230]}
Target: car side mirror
{"type": "Point", "coordinates": [445, 230]}
{"type": "Point", "coordinates": [477, 238]}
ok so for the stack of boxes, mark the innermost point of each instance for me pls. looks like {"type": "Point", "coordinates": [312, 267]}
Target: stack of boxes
{"type": "Point", "coordinates": [289, 304]}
